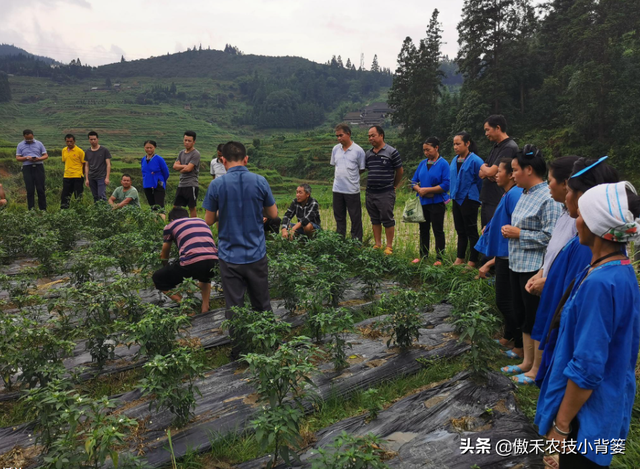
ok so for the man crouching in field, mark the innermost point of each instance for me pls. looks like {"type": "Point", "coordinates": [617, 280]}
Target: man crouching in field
{"type": "Point", "coordinates": [198, 255]}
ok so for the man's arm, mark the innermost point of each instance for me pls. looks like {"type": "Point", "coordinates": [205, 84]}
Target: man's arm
{"type": "Point", "coordinates": [210, 217]}
{"type": "Point", "coordinates": [126, 201]}
{"type": "Point", "coordinates": [86, 173]}
{"type": "Point", "coordinates": [178, 166]}
{"type": "Point", "coordinates": [487, 171]}
{"type": "Point", "coordinates": [43, 157]}
{"type": "Point", "coordinates": [398, 177]}
{"type": "Point", "coordinates": [164, 254]}
{"type": "Point", "coordinates": [187, 168]}
{"type": "Point", "coordinates": [22, 158]}
{"type": "Point", "coordinates": [112, 201]}
{"type": "Point", "coordinates": [271, 212]}
{"type": "Point", "coordinates": [3, 197]}
{"type": "Point", "coordinates": [106, 180]}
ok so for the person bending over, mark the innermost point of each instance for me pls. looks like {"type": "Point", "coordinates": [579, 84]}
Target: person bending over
{"type": "Point", "coordinates": [198, 255]}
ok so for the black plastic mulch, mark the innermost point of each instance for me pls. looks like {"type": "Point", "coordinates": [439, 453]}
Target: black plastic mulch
{"type": "Point", "coordinates": [426, 430]}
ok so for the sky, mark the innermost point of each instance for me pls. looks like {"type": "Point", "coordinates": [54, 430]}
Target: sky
{"type": "Point", "coordinates": [101, 31]}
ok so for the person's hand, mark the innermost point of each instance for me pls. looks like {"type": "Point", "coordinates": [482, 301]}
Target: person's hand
{"type": "Point", "coordinates": [86, 182]}
{"type": "Point", "coordinates": [106, 181]}
{"type": "Point", "coordinates": [285, 233]}
{"type": "Point", "coordinates": [264, 219]}
{"type": "Point", "coordinates": [535, 285]}
{"type": "Point", "coordinates": [483, 271]}
{"type": "Point", "coordinates": [491, 178]}
{"type": "Point", "coordinates": [3, 202]}
{"type": "Point", "coordinates": [483, 228]}
{"type": "Point", "coordinates": [510, 232]}
{"type": "Point", "coordinates": [554, 435]}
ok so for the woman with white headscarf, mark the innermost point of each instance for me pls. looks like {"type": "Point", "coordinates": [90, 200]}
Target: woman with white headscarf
{"type": "Point", "coordinates": [588, 392]}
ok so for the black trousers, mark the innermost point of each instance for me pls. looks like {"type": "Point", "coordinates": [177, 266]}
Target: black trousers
{"type": "Point", "coordinates": [71, 186]}
{"type": "Point", "coordinates": [434, 217]}
{"type": "Point", "coordinates": [351, 203]}
{"type": "Point", "coordinates": [504, 302]}
{"type": "Point", "coordinates": [155, 197]}
{"type": "Point", "coordinates": [34, 182]}
{"type": "Point", "coordinates": [525, 304]}
{"type": "Point", "coordinates": [486, 213]}
{"type": "Point", "coordinates": [577, 461]}
{"type": "Point", "coordinates": [238, 279]}
{"type": "Point", "coordinates": [465, 220]}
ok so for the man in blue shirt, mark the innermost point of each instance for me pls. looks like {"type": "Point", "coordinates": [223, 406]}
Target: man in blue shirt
{"type": "Point", "coordinates": [31, 153]}
{"type": "Point", "coordinates": [238, 202]}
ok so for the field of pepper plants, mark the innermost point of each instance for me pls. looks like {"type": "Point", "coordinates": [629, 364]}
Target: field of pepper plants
{"type": "Point", "coordinates": [365, 361]}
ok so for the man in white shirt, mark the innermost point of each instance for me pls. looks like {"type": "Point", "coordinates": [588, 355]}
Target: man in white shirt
{"type": "Point", "coordinates": [349, 160]}
{"type": "Point", "coordinates": [217, 169]}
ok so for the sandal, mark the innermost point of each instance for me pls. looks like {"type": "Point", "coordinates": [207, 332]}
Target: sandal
{"type": "Point", "coordinates": [511, 354]}
{"type": "Point", "coordinates": [523, 380]}
{"type": "Point", "coordinates": [512, 370]}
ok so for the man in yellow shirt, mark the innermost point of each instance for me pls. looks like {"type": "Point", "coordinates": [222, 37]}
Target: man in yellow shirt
{"type": "Point", "coordinates": [73, 179]}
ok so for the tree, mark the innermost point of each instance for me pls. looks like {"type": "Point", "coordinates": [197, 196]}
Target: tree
{"type": "Point", "coordinates": [5, 88]}
{"type": "Point", "coordinates": [107, 82]}
{"type": "Point", "coordinates": [340, 64]}
{"type": "Point", "coordinates": [417, 86]}
{"type": "Point", "coordinates": [374, 65]}
{"type": "Point", "coordinates": [348, 65]}
{"type": "Point", "coordinates": [122, 59]}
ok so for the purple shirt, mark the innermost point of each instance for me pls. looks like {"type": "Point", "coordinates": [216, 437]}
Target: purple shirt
{"type": "Point", "coordinates": [193, 238]}
{"type": "Point", "coordinates": [36, 148]}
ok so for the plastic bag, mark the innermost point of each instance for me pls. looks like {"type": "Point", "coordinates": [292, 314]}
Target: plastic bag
{"type": "Point", "coordinates": [413, 211]}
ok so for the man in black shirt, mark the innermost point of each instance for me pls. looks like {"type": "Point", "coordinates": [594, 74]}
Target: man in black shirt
{"type": "Point", "coordinates": [495, 128]}
{"type": "Point", "coordinates": [306, 209]}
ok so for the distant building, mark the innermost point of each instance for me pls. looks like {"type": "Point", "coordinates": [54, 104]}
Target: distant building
{"type": "Point", "coordinates": [94, 88]}
{"type": "Point", "coordinates": [187, 107]}
{"type": "Point", "coordinates": [373, 114]}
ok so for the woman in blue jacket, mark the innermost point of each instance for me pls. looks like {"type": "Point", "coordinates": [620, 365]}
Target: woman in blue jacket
{"type": "Point", "coordinates": [465, 192]}
{"type": "Point", "coordinates": [587, 394]}
{"type": "Point", "coordinates": [431, 182]}
{"type": "Point", "coordinates": [154, 176]}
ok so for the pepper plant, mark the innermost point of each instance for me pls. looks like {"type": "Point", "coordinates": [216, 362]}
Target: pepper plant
{"type": "Point", "coordinates": [351, 452]}
{"type": "Point", "coordinates": [281, 380]}
{"type": "Point", "coordinates": [171, 380]}
{"type": "Point", "coordinates": [478, 326]}
{"type": "Point", "coordinates": [157, 331]}
{"type": "Point", "coordinates": [256, 331]}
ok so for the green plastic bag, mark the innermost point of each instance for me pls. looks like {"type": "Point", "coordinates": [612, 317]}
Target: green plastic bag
{"type": "Point", "coordinates": [413, 211]}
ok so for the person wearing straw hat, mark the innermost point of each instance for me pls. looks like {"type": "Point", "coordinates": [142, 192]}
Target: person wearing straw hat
{"type": "Point", "coordinates": [587, 395]}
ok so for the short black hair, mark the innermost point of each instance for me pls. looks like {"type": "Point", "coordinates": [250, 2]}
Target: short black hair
{"type": "Point", "coordinates": [220, 147]}
{"type": "Point", "coordinates": [125, 175]}
{"type": "Point", "coordinates": [234, 151]}
{"type": "Point", "coordinates": [343, 128]}
{"type": "Point", "coordinates": [497, 120]}
{"type": "Point", "coordinates": [306, 187]}
{"type": "Point", "coordinates": [70, 136]}
{"type": "Point", "coordinates": [601, 173]}
{"type": "Point", "coordinates": [507, 164]}
{"type": "Point", "coordinates": [93, 133]}
{"type": "Point", "coordinates": [563, 167]}
{"type": "Point", "coordinates": [27, 132]}
{"type": "Point", "coordinates": [531, 156]}
{"type": "Point", "coordinates": [190, 133]}
{"type": "Point", "coordinates": [379, 129]}
{"type": "Point", "coordinates": [152, 142]}
{"type": "Point", "coordinates": [177, 213]}
{"type": "Point", "coordinates": [433, 141]}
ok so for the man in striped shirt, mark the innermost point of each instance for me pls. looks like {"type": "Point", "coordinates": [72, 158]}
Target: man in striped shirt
{"type": "Point", "coordinates": [198, 255]}
{"type": "Point", "coordinates": [385, 173]}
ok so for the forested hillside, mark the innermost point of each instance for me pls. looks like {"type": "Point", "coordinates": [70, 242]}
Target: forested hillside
{"type": "Point", "coordinates": [564, 75]}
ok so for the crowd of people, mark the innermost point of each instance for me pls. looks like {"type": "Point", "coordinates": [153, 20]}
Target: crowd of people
{"type": "Point", "coordinates": [553, 236]}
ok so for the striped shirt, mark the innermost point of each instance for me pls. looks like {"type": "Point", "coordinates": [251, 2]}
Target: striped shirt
{"type": "Point", "coordinates": [382, 169]}
{"type": "Point", "coordinates": [535, 214]}
{"type": "Point", "coordinates": [193, 238]}
{"type": "Point", "coordinates": [307, 213]}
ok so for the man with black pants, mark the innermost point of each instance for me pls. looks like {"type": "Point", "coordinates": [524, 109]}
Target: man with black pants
{"type": "Point", "coordinates": [97, 168]}
{"type": "Point", "coordinates": [495, 128]}
{"type": "Point", "coordinates": [31, 153]}
{"type": "Point", "coordinates": [349, 160]}
{"type": "Point", "coordinates": [188, 164]}
{"type": "Point", "coordinates": [237, 202]}
{"type": "Point", "coordinates": [73, 179]}
{"type": "Point", "coordinates": [198, 255]}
